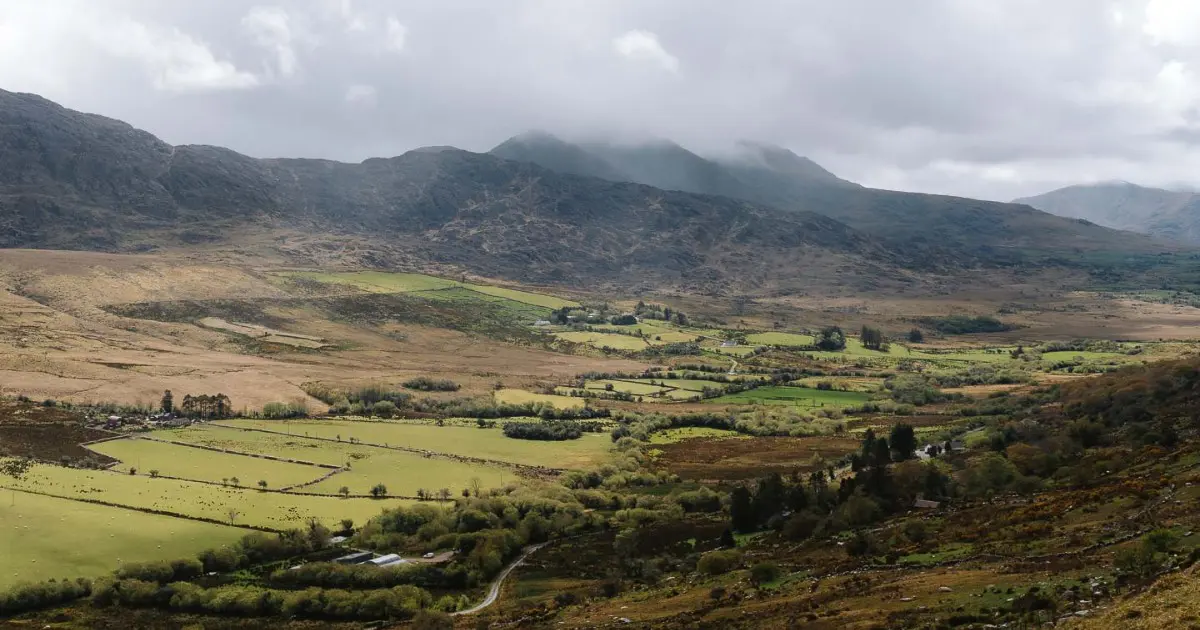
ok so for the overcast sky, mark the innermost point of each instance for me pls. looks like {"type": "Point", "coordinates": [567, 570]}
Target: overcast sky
{"type": "Point", "coordinates": [984, 98]}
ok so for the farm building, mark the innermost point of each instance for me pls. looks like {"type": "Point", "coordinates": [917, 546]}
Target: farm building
{"type": "Point", "coordinates": [354, 558]}
{"type": "Point", "coordinates": [925, 504]}
{"type": "Point", "coordinates": [388, 560]}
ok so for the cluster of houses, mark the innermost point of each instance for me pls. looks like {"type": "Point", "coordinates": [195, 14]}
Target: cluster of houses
{"type": "Point", "coordinates": [140, 421]}
{"type": "Point", "coordinates": [366, 557]}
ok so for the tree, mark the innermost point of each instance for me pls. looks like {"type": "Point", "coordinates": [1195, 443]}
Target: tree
{"type": "Point", "coordinates": [476, 486]}
{"type": "Point", "coordinates": [727, 539]}
{"type": "Point", "coordinates": [831, 339]}
{"type": "Point", "coordinates": [872, 338]}
{"type": "Point", "coordinates": [379, 491]}
{"type": "Point", "coordinates": [347, 525]}
{"type": "Point", "coordinates": [764, 572]}
{"type": "Point", "coordinates": [168, 402]}
{"type": "Point", "coordinates": [233, 515]}
{"type": "Point", "coordinates": [916, 336]}
{"type": "Point", "coordinates": [235, 481]}
{"type": "Point", "coordinates": [903, 441]}
{"type": "Point", "coordinates": [262, 483]}
{"type": "Point", "coordinates": [444, 494]}
{"type": "Point", "coordinates": [741, 510]}
{"type": "Point", "coordinates": [154, 472]}
{"type": "Point", "coordinates": [16, 468]}
{"type": "Point", "coordinates": [344, 491]}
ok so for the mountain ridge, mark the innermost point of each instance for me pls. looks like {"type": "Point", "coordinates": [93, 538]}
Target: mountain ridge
{"type": "Point", "coordinates": [1165, 213]}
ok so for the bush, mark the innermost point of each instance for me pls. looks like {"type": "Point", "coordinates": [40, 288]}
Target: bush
{"type": "Point", "coordinates": [280, 411]}
{"type": "Point", "coordinates": [719, 562]}
{"type": "Point", "coordinates": [965, 325]}
{"type": "Point", "coordinates": [764, 572]}
{"type": "Point", "coordinates": [555, 430]}
{"type": "Point", "coordinates": [384, 409]}
{"type": "Point", "coordinates": [426, 384]}
{"type": "Point", "coordinates": [28, 597]}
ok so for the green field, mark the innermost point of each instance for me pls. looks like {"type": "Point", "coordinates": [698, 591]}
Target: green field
{"type": "Point", "coordinates": [589, 450]}
{"type": "Point", "coordinates": [735, 351]}
{"type": "Point", "coordinates": [521, 397]}
{"type": "Point", "coordinates": [1071, 355]}
{"type": "Point", "coordinates": [655, 331]}
{"type": "Point", "coordinates": [536, 299]}
{"type": "Point", "coordinates": [44, 537]}
{"type": "Point", "coordinates": [671, 436]}
{"type": "Point", "coordinates": [604, 340]}
{"type": "Point", "coordinates": [403, 473]}
{"type": "Point", "coordinates": [386, 282]}
{"type": "Point", "coordinates": [780, 339]}
{"type": "Point", "coordinates": [637, 388]}
{"type": "Point", "coordinates": [784, 395]}
{"type": "Point", "coordinates": [275, 510]}
{"type": "Point", "coordinates": [188, 463]}
{"type": "Point", "coordinates": [691, 384]}
{"type": "Point", "coordinates": [379, 281]}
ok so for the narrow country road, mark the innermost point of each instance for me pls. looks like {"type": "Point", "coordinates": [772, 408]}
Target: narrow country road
{"type": "Point", "coordinates": [494, 590]}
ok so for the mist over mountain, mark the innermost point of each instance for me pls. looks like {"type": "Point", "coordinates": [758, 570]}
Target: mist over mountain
{"type": "Point", "coordinates": [765, 174]}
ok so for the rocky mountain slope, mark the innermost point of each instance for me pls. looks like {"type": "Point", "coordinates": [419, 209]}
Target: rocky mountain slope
{"type": "Point", "coordinates": [1171, 214]}
{"type": "Point", "coordinates": [80, 181]}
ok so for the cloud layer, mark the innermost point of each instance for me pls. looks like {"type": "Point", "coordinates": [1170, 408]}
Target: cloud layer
{"type": "Point", "coordinates": [968, 97]}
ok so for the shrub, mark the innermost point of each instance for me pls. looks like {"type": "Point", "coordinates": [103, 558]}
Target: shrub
{"type": "Point", "coordinates": [384, 409]}
{"type": "Point", "coordinates": [555, 430]}
{"type": "Point", "coordinates": [426, 384]}
{"type": "Point", "coordinates": [27, 597]}
{"type": "Point", "coordinates": [280, 411]}
{"type": "Point", "coordinates": [764, 572]}
{"type": "Point", "coordinates": [718, 562]}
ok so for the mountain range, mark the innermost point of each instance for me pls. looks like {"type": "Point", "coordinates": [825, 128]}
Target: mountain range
{"type": "Point", "coordinates": [1172, 214]}
{"type": "Point", "coordinates": [536, 208]}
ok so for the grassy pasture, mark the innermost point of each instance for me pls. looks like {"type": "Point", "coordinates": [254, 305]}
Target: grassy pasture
{"type": "Point", "coordinates": [403, 473]}
{"type": "Point", "coordinates": [735, 351]}
{"type": "Point", "coordinates": [784, 395]}
{"type": "Point", "coordinates": [690, 384]}
{"type": "Point", "coordinates": [45, 537]}
{"type": "Point", "coordinates": [671, 436]}
{"type": "Point", "coordinates": [780, 339]}
{"type": "Point", "coordinates": [190, 463]}
{"type": "Point", "coordinates": [458, 440]}
{"type": "Point", "coordinates": [527, 297]}
{"type": "Point", "coordinates": [521, 397]}
{"type": "Point", "coordinates": [637, 388]}
{"type": "Point", "coordinates": [656, 332]}
{"type": "Point", "coordinates": [1071, 355]}
{"type": "Point", "coordinates": [379, 281]}
{"type": "Point", "coordinates": [603, 340]}
{"type": "Point", "coordinates": [386, 282]}
{"type": "Point", "coordinates": [275, 510]}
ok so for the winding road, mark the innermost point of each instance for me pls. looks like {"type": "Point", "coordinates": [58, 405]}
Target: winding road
{"type": "Point", "coordinates": [494, 590]}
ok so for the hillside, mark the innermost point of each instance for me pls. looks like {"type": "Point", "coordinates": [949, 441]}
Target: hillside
{"type": "Point", "coordinates": [968, 231]}
{"type": "Point", "coordinates": [1170, 214]}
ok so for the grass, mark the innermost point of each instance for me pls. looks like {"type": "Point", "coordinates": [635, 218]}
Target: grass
{"type": "Point", "coordinates": [521, 397]}
{"type": "Point", "coordinates": [604, 340]}
{"type": "Point", "coordinates": [671, 436]}
{"type": "Point", "coordinates": [637, 388]}
{"type": "Point", "coordinates": [189, 463]}
{"type": "Point", "coordinates": [275, 510]}
{"type": "Point", "coordinates": [736, 351]}
{"type": "Point", "coordinates": [1071, 355]}
{"type": "Point", "coordinates": [780, 339]}
{"type": "Point", "coordinates": [44, 537]}
{"type": "Point", "coordinates": [527, 297]}
{"type": "Point", "coordinates": [784, 395]}
{"type": "Point", "coordinates": [689, 384]}
{"type": "Point", "coordinates": [403, 473]}
{"type": "Point", "coordinates": [655, 331]}
{"type": "Point", "coordinates": [491, 444]}
{"type": "Point", "coordinates": [379, 281]}
{"type": "Point", "coordinates": [386, 282]}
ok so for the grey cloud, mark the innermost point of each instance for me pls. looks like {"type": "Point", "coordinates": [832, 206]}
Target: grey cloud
{"type": "Point", "coordinates": [959, 96]}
